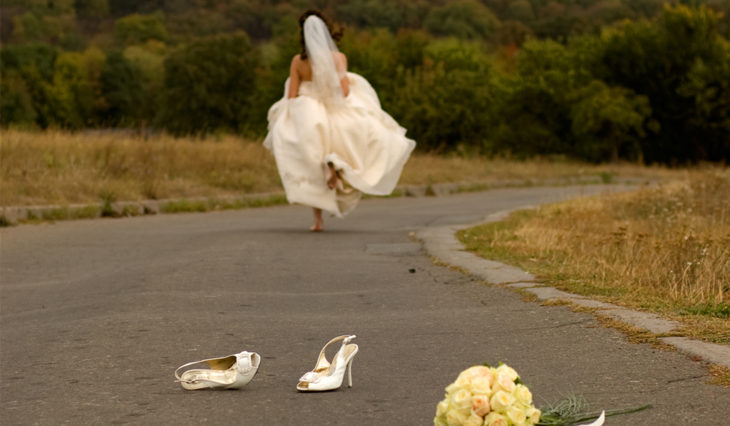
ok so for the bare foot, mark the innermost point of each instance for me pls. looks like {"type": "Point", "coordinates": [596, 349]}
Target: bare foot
{"type": "Point", "coordinates": [318, 222]}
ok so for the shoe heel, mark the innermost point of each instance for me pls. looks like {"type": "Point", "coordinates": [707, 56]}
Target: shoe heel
{"type": "Point", "coordinates": [349, 372]}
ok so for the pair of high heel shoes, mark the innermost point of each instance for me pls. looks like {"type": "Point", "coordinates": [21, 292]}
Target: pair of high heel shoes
{"type": "Point", "coordinates": [235, 371]}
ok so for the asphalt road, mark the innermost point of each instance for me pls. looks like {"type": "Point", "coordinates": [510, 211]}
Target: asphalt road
{"type": "Point", "coordinates": [96, 315]}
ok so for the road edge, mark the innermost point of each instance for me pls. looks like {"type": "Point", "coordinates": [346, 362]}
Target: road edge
{"type": "Point", "coordinates": [441, 243]}
{"type": "Point", "coordinates": [12, 215]}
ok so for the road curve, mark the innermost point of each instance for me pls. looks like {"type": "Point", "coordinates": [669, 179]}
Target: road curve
{"type": "Point", "coordinates": [95, 316]}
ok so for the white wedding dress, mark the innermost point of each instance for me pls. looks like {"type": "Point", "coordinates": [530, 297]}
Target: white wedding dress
{"type": "Point", "coordinates": [321, 126]}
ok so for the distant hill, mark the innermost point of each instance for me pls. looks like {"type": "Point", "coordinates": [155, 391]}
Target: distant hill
{"type": "Point", "coordinates": [638, 80]}
{"type": "Point", "coordinates": [76, 24]}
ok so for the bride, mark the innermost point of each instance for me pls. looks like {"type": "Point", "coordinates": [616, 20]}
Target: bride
{"type": "Point", "coordinates": [328, 134]}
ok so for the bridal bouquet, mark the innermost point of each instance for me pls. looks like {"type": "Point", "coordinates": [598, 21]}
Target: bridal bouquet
{"type": "Point", "coordinates": [487, 396]}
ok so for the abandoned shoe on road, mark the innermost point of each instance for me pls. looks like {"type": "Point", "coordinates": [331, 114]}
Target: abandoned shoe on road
{"type": "Point", "coordinates": [326, 376]}
{"type": "Point", "coordinates": [230, 372]}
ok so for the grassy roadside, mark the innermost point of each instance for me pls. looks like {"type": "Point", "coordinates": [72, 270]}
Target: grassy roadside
{"type": "Point", "coordinates": [664, 249]}
{"type": "Point", "coordinates": [61, 168]}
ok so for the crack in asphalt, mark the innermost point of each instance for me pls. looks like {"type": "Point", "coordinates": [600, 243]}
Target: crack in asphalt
{"type": "Point", "coordinates": [685, 379]}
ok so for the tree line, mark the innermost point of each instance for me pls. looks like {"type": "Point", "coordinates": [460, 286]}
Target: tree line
{"type": "Point", "coordinates": [595, 80]}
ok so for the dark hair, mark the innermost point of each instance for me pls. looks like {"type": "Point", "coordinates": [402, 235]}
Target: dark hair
{"type": "Point", "coordinates": [336, 35]}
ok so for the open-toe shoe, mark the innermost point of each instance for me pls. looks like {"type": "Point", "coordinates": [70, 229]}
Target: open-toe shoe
{"type": "Point", "coordinates": [230, 372]}
{"type": "Point", "coordinates": [326, 376]}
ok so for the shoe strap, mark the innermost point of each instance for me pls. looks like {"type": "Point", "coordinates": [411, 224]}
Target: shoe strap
{"type": "Point", "coordinates": [322, 363]}
{"type": "Point", "coordinates": [347, 338]}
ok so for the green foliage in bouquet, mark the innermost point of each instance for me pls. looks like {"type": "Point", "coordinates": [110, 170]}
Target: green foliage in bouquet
{"type": "Point", "coordinates": [573, 410]}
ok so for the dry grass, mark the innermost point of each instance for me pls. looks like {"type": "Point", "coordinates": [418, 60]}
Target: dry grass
{"type": "Point", "coordinates": [38, 168]}
{"type": "Point", "coordinates": [720, 376]}
{"type": "Point", "coordinates": [664, 249]}
{"type": "Point", "coordinates": [58, 167]}
{"type": "Point", "coordinates": [427, 169]}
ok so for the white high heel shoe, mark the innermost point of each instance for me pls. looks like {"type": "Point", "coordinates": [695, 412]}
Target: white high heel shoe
{"type": "Point", "coordinates": [326, 376]}
{"type": "Point", "coordinates": [230, 372]}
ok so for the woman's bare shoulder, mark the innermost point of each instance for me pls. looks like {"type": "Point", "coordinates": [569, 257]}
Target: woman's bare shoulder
{"type": "Point", "coordinates": [298, 64]}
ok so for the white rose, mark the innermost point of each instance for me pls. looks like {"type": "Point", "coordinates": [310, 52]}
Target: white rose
{"type": "Point", "coordinates": [439, 422]}
{"type": "Point", "coordinates": [501, 400]}
{"type": "Point", "coordinates": [442, 408]}
{"type": "Point", "coordinates": [523, 395]}
{"type": "Point", "coordinates": [516, 415]}
{"type": "Point", "coordinates": [476, 371]}
{"type": "Point", "coordinates": [474, 420]}
{"type": "Point", "coordinates": [480, 405]}
{"type": "Point", "coordinates": [481, 385]}
{"type": "Point", "coordinates": [456, 418]}
{"type": "Point", "coordinates": [495, 419]}
{"type": "Point", "coordinates": [460, 383]}
{"type": "Point", "coordinates": [509, 371]}
{"type": "Point", "coordinates": [493, 374]}
{"type": "Point", "coordinates": [462, 400]}
{"type": "Point", "coordinates": [533, 415]}
{"type": "Point", "coordinates": [505, 382]}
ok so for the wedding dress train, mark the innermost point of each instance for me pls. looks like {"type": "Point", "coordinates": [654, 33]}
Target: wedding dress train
{"type": "Point", "coordinates": [364, 144]}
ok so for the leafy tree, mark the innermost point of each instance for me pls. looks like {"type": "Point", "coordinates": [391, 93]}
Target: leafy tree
{"type": "Point", "coordinates": [70, 94]}
{"type": "Point", "coordinates": [257, 18]}
{"type": "Point", "coordinates": [275, 60]}
{"type": "Point", "coordinates": [501, 8]}
{"type": "Point", "coordinates": [135, 28]}
{"type": "Point", "coordinates": [33, 65]}
{"type": "Point", "coordinates": [535, 107]}
{"type": "Point", "coordinates": [457, 54]}
{"type": "Point", "coordinates": [40, 91]}
{"type": "Point", "coordinates": [520, 10]}
{"type": "Point", "coordinates": [16, 104]}
{"type": "Point", "coordinates": [410, 46]}
{"type": "Point", "coordinates": [53, 28]}
{"type": "Point", "coordinates": [391, 14]}
{"type": "Point", "coordinates": [209, 84]}
{"type": "Point", "coordinates": [608, 121]}
{"type": "Point", "coordinates": [512, 33]}
{"type": "Point", "coordinates": [556, 22]}
{"type": "Point", "coordinates": [92, 62]}
{"type": "Point", "coordinates": [122, 91]}
{"type": "Point", "coordinates": [660, 60]}
{"type": "Point", "coordinates": [126, 7]}
{"type": "Point", "coordinates": [40, 56]}
{"type": "Point", "coordinates": [644, 8]}
{"type": "Point", "coordinates": [51, 7]}
{"type": "Point", "coordinates": [194, 24]}
{"type": "Point", "coordinates": [28, 27]}
{"type": "Point", "coordinates": [92, 8]}
{"type": "Point", "coordinates": [466, 19]}
{"type": "Point", "coordinates": [445, 103]}
{"type": "Point", "coordinates": [147, 65]}
{"type": "Point", "coordinates": [373, 55]}
{"type": "Point", "coordinates": [708, 84]}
